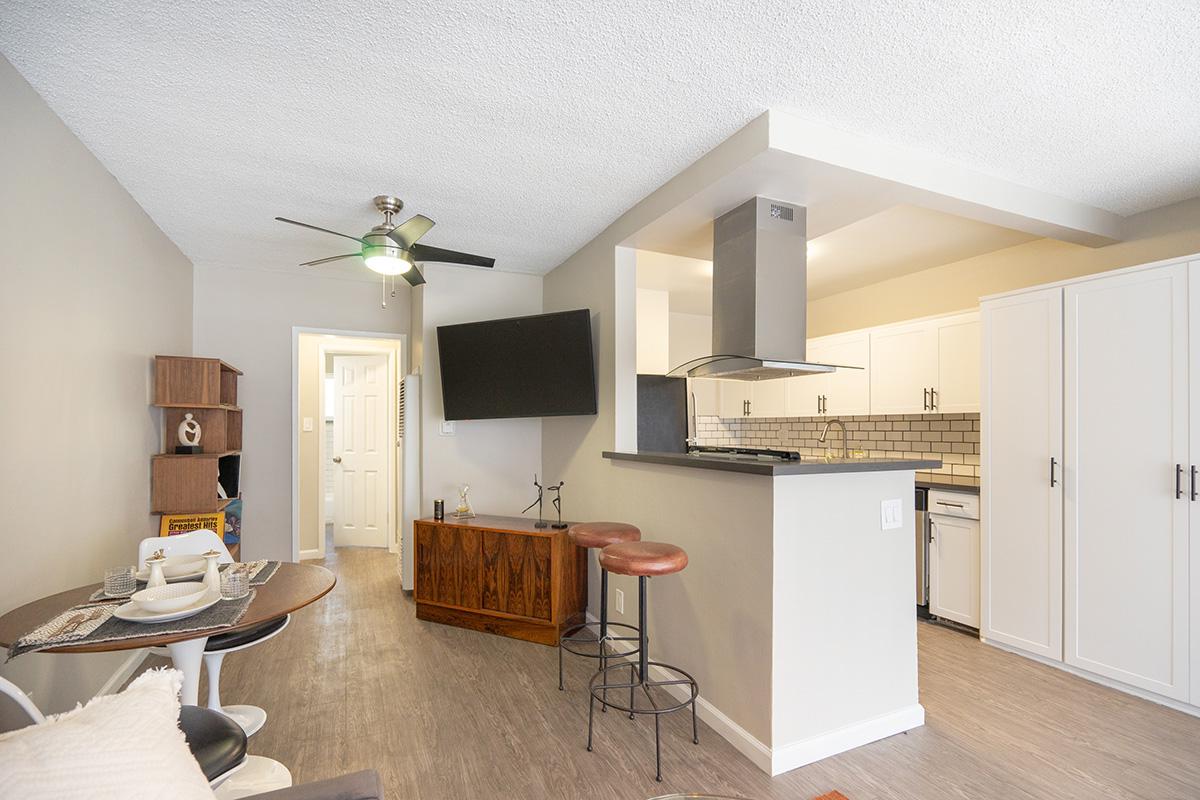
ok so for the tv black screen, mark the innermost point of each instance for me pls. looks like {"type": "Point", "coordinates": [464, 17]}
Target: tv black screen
{"type": "Point", "coordinates": [539, 366]}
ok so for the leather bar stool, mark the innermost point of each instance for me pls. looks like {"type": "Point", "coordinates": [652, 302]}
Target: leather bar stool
{"type": "Point", "coordinates": [579, 639]}
{"type": "Point", "coordinates": [644, 560]}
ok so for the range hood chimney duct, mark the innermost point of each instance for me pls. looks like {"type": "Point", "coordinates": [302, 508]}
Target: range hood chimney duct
{"type": "Point", "coordinates": [760, 295]}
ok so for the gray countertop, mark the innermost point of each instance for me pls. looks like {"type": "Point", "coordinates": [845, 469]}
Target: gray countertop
{"type": "Point", "coordinates": [806, 466]}
{"type": "Point", "coordinates": [957, 483]}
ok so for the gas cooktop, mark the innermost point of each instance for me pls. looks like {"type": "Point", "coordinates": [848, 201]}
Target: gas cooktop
{"type": "Point", "coordinates": [744, 453]}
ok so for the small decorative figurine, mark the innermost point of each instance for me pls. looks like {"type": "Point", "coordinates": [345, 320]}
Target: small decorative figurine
{"type": "Point", "coordinates": [557, 501]}
{"type": "Point", "coordinates": [464, 505]}
{"type": "Point", "coordinates": [155, 564]}
{"type": "Point", "coordinates": [541, 523]}
{"type": "Point", "coordinates": [189, 435]}
{"type": "Point", "coordinates": [212, 573]}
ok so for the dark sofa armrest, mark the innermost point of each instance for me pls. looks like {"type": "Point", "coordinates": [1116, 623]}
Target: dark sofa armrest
{"type": "Point", "coordinates": [355, 786]}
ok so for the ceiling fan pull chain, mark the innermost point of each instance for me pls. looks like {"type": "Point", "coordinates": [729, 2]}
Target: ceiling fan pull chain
{"type": "Point", "coordinates": [393, 286]}
{"type": "Point", "coordinates": [383, 284]}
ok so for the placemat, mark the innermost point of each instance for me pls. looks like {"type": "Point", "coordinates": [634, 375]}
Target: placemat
{"type": "Point", "coordinates": [260, 572]}
{"type": "Point", "coordinates": [93, 622]}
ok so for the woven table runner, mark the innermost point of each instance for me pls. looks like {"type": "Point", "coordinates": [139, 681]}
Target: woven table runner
{"type": "Point", "coordinates": [260, 573]}
{"type": "Point", "coordinates": [93, 622]}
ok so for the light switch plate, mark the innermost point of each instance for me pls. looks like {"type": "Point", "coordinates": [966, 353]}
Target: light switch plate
{"type": "Point", "coordinates": [891, 514]}
{"type": "Point", "coordinates": [308, 424]}
{"type": "Point", "coordinates": [447, 427]}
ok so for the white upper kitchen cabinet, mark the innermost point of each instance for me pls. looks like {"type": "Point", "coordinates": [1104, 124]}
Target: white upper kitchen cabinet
{"type": "Point", "coordinates": [904, 367]}
{"type": "Point", "coordinates": [768, 398]}
{"type": "Point", "coordinates": [734, 398]}
{"type": "Point", "coordinates": [1022, 472]}
{"type": "Point", "coordinates": [1127, 491]}
{"type": "Point", "coordinates": [705, 394]}
{"type": "Point", "coordinates": [844, 393]}
{"type": "Point", "coordinates": [958, 349]}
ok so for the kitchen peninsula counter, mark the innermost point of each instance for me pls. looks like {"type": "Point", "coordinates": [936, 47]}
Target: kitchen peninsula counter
{"type": "Point", "coordinates": [811, 465]}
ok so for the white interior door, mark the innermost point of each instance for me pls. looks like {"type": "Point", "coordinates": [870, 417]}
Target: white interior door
{"type": "Point", "coordinates": [1126, 526]}
{"type": "Point", "coordinates": [954, 569]}
{"type": "Point", "coordinates": [958, 365]}
{"type": "Point", "coordinates": [903, 368]}
{"type": "Point", "coordinates": [360, 451]}
{"type": "Point", "coordinates": [1022, 526]}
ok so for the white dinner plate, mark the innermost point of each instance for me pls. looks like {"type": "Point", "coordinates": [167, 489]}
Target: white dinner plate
{"type": "Point", "coordinates": [132, 612]}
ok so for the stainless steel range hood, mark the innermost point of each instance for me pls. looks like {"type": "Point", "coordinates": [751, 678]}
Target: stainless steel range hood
{"type": "Point", "coordinates": [760, 296]}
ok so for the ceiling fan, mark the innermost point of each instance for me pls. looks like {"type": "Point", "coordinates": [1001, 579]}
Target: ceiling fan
{"type": "Point", "coordinates": [392, 249]}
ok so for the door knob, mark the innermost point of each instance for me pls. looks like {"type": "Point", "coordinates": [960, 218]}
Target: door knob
{"type": "Point", "coordinates": [337, 459]}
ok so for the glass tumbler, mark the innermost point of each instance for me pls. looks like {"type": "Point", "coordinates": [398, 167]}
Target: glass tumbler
{"type": "Point", "coordinates": [235, 582]}
{"type": "Point", "coordinates": [119, 582]}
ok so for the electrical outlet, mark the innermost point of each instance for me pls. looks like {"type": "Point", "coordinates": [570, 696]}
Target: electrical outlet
{"type": "Point", "coordinates": [619, 601]}
{"type": "Point", "coordinates": [891, 514]}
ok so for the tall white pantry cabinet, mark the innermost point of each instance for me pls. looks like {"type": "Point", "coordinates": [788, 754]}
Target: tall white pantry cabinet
{"type": "Point", "coordinates": [1091, 494]}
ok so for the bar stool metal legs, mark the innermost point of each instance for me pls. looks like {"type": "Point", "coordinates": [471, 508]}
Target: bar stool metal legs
{"type": "Point", "coordinates": [578, 640]}
{"type": "Point", "coordinates": [639, 679]}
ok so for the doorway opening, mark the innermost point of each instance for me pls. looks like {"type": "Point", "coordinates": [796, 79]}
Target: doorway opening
{"type": "Point", "coordinates": [349, 441]}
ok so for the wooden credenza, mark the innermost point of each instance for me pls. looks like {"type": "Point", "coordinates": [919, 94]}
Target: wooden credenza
{"type": "Point", "coordinates": [499, 575]}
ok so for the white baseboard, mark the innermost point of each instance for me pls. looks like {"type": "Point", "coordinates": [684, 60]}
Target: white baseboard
{"type": "Point", "coordinates": [124, 672]}
{"type": "Point", "coordinates": [1144, 694]}
{"type": "Point", "coordinates": [815, 748]}
{"type": "Point", "coordinates": [777, 760]}
{"type": "Point", "coordinates": [309, 554]}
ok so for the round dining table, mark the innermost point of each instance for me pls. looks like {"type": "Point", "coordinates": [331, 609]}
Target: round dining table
{"type": "Point", "coordinates": [292, 587]}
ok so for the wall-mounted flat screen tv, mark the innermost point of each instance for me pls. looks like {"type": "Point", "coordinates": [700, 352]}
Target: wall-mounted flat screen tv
{"type": "Point", "coordinates": [539, 366]}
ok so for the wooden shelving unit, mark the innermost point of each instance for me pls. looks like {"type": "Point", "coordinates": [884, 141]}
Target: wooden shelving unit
{"type": "Point", "coordinates": [206, 388]}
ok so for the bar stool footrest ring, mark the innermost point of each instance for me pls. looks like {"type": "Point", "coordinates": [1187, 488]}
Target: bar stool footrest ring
{"type": "Point", "coordinates": [568, 643]}
{"type": "Point", "coordinates": [599, 685]}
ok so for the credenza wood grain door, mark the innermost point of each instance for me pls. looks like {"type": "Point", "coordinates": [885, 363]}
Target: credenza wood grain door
{"type": "Point", "coordinates": [449, 567]}
{"type": "Point", "coordinates": [516, 574]}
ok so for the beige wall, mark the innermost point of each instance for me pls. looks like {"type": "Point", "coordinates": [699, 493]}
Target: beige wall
{"type": "Point", "coordinates": [311, 379]}
{"type": "Point", "coordinates": [496, 457]}
{"type": "Point", "coordinates": [246, 316]}
{"type": "Point", "coordinates": [91, 290]}
{"type": "Point", "coordinates": [653, 332]}
{"type": "Point", "coordinates": [1165, 233]}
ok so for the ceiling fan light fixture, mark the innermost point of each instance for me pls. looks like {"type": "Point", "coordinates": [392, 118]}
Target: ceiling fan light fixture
{"type": "Point", "coordinates": [386, 260]}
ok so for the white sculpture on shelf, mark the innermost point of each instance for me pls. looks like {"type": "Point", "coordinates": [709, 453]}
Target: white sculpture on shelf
{"type": "Point", "coordinates": [189, 431]}
{"type": "Point", "coordinates": [464, 505]}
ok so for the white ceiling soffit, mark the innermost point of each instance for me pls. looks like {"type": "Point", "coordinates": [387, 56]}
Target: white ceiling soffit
{"type": "Point", "coordinates": [842, 178]}
{"type": "Point", "coordinates": [525, 128]}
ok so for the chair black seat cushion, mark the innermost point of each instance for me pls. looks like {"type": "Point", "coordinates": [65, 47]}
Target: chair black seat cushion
{"type": "Point", "coordinates": [225, 641]}
{"type": "Point", "coordinates": [217, 742]}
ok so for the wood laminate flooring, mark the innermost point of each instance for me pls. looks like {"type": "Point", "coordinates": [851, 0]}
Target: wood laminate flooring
{"type": "Point", "coordinates": [356, 681]}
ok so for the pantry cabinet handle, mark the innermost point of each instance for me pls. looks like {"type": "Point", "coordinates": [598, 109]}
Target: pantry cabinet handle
{"type": "Point", "coordinates": [1193, 482]}
{"type": "Point", "coordinates": [1053, 464]}
{"type": "Point", "coordinates": [1178, 481]}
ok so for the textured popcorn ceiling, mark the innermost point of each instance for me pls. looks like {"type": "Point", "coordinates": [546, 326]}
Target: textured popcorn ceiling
{"type": "Point", "coordinates": [524, 128]}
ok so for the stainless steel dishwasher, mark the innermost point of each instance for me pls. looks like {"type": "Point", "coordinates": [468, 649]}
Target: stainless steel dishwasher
{"type": "Point", "coordinates": [921, 518]}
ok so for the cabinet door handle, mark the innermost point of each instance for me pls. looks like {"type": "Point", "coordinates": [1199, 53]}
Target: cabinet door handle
{"type": "Point", "coordinates": [925, 398]}
{"type": "Point", "coordinates": [1178, 481]}
{"type": "Point", "coordinates": [1053, 464]}
{"type": "Point", "coordinates": [932, 399]}
{"type": "Point", "coordinates": [1193, 482]}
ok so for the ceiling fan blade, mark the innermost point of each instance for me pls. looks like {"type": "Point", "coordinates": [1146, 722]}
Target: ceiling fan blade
{"type": "Point", "coordinates": [406, 233]}
{"type": "Point", "coordinates": [323, 230]}
{"type": "Point", "coordinates": [413, 276]}
{"type": "Point", "coordinates": [331, 258]}
{"type": "Point", "coordinates": [422, 252]}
